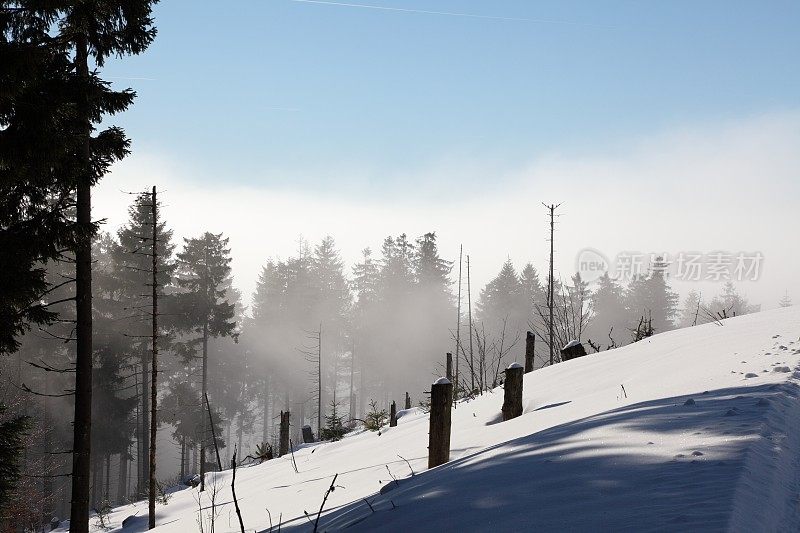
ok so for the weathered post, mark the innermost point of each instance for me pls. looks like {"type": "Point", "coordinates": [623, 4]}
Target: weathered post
{"type": "Point", "coordinates": [530, 344]}
{"type": "Point", "coordinates": [408, 401]}
{"type": "Point", "coordinates": [393, 415]}
{"type": "Point", "coordinates": [308, 435]}
{"type": "Point", "coordinates": [439, 432]}
{"type": "Point", "coordinates": [283, 445]}
{"type": "Point", "coordinates": [449, 367]}
{"type": "Point", "coordinates": [512, 396]}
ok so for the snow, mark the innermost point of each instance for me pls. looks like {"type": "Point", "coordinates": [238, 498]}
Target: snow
{"type": "Point", "coordinates": [514, 365]}
{"type": "Point", "coordinates": [609, 441]}
{"type": "Point", "coordinates": [442, 381]}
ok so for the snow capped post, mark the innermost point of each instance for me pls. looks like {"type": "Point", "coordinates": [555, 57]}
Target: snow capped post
{"type": "Point", "coordinates": [408, 401]}
{"type": "Point", "coordinates": [572, 350]}
{"type": "Point", "coordinates": [439, 433]}
{"type": "Point", "coordinates": [530, 344]}
{"type": "Point", "coordinates": [283, 445]}
{"type": "Point", "coordinates": [512, 397]}
{"type": "Point", "coordinates": [393, 415]}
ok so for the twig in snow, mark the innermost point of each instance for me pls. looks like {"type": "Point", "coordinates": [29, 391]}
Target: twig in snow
{"type": "Point", "coordinates": [327, 493]}
{"type": "Point", "coordinates": [294, 463]}
{"type": "Point", "coordinates": [409, 464]}
{"type": "Point", "coordinates": [368, 504]}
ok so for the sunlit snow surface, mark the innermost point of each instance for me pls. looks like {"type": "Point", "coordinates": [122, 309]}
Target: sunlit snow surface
{"type": "Point", "coordinates": [694, 429]}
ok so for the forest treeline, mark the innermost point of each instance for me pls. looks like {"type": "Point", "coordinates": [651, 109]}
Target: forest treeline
{"type": "Point", "coordinates": [375, 330]}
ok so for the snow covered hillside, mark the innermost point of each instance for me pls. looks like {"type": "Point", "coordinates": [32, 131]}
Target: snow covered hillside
{"type": "Point", "coordinates": [694, 429]}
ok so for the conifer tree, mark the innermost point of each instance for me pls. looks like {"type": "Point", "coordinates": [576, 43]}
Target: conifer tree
{"type": "Point", "coordinates": [133, 271]}
{"type": "Point", "coordinates": [649, 295]}
{"type": "Point", "coordinates": [731, 303]}
{"type": "Point", "coordinates": [203, 277]}
{"type": "Point", "coordinates": [691, 312]}
{"type": "Point", "coordinates": [609, 312]}
{"type": "Point", "coordinates": [502, 301]}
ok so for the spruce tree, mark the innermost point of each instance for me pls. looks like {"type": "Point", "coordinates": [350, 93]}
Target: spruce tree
{"type": "Point", "coordinates": [203, 277]}
{"type": "Point", "coordinates": [691, 312]}
{"type": "Point", "coordinates": [731, 303]}
{"type": "Point", "coordinates": [133, 271]}
{"type": "Point", "coordinates": [58, 44]}
{"type": "Point", "coordinates": [502, 301]}
{"type": "Point", "coordinates": [649, 295]}
{"type": "Point", "coordinates": [609, 313]}
{"type": "Point", "coordinates": [12, 430]}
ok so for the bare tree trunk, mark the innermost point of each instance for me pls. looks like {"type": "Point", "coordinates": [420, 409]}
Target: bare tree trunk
{"type": "Point", "coordinates": [319, 385]}
{"type": "Point", "coordinates": [458, 326]}
{"type": "Point", "coordinates": [183, 458]}
{"type": "Point", "coordinates": [122, 477]}
{"type": "Point", "coordinates": [144, 459]}
{"type": "Point", "coordinates": [265, 429]}
{"type": "Point", "coordinates": [352, 372]}
{"type": "Point", "coordinates": [203, 428]}
{"type": "Point", "coordinates": [469, 310]}
{"type": "Point", "coordinates": [82, 424]}
{"type": "Point", "coordinates": [154, 377]}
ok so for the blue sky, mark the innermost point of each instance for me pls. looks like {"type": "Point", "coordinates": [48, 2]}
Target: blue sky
{"type": "Point", "coordinates": [294, 94]}
{"type": "Point", "coordinates": [663, 126]}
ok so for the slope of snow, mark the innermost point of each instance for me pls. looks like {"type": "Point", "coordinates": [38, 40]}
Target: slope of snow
{"type": "Point", "coordinates": [694, 429]}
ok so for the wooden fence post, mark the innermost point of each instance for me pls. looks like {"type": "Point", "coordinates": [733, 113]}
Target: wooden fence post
{"type": "Point", "coordinates": [393, 415]}
{"type": "Point", "coordinates": [449, 367]}
{"type": "Point", "coordinates": [283, 445]}
{"type": "Point", "coordinates": [308, 434]}
{"type": "Point", "coordinates": [408, 401]}
{"type": "Point", "coordinates": [530, 344]}
{"type": "Point", "coordinates": [512, 395]}
{"type": "Point", "coordinates": [439, 432]}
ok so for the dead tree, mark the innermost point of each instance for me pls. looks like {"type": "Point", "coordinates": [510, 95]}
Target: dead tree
{"type": "Point", "coordinates": [439, 432]}
{"type": "Point", "coordinates": [458, 324]}
{"type": "Point", "coordinates": [550, 301]}
{"type": "Point", "coordinates": [408, 401]}
{"type": "Point", "coordinates": [151, 503]}
{"type": "Point", "coordinates": [512, 392]}
{"type": "Point", "coordinates": [393, 414]}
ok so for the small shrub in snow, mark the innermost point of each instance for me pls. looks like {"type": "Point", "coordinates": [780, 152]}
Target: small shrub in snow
{"type": "Point", "coordinates": [375, 419]}
{"type": "Point", "coordinates": [334, 425]}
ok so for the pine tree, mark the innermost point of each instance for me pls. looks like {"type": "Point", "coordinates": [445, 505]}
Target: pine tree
{"type": "Point", "coordinates": [691, 312]}
{"type": "Point", "coordinates": [133, 265]}
{"type": "Point", "coordinates": [533, 292]}
{"type": "Point", "coordinates": [609, 313]}
{"type": "Point", "coordinates": [503, 302]}
{"type": "Point", "coordinates": [786, 301]}
{"type": "Point", "coordinates": [204, 277]}
{"type": "Point", "coordinates": [12, 430]}
{"type": "Point", "coordinates": [730, 303]}
{"type": "Point", "coordinates": [334, 424]}
{"type": "Point", "coordinates": [649, 295]}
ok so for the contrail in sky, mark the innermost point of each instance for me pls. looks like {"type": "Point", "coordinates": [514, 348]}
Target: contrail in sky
{"type": "Point", "coordinates": [445, 13]}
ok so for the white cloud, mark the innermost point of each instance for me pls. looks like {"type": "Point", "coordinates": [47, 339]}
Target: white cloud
{"type": "Point", "coordinates": [730, 186]}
